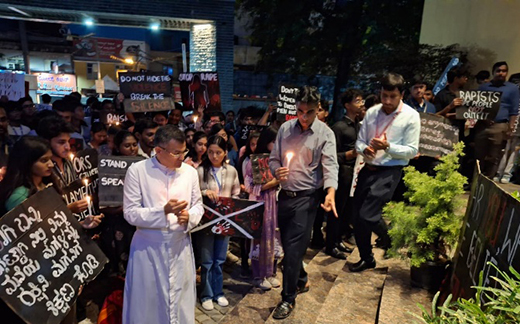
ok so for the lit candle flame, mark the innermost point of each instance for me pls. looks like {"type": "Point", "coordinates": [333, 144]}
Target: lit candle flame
{"type": "Point", "coordinates": [289, 156]}
{"type": "Point", "coordinates": [195, 119]}
{"type": "Point", "coordinates": [85, 181]}
{"type": "Point", "coordinates": [117, 123]}
{"type": "Point", "coordinates": [88, 200]}
{"type": "Point", "coordinates": [71, 157]}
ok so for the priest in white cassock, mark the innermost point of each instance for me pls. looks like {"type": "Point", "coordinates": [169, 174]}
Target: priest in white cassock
{"type": "Point", "coordinates": [163, 200]}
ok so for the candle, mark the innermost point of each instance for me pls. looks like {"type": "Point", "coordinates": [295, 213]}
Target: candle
{"type": "Point", "coordinates": [89, 206]}
{"type": "Point", "coordinates": [71, 157]}
{"type": "Point", "coordinates": [117, 123]}
{"type": "Point", "coordinates": [195, 119]}
{"type": "Point", "coordinates": [289, 156]}
{"type": "Point", "coordinates": [85, 181]}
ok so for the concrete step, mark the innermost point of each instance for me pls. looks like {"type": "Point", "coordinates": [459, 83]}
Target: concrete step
{"type": "Point", "coordinates": [355, 297]}
{"type": "Point", "coordinates": [322, 272]}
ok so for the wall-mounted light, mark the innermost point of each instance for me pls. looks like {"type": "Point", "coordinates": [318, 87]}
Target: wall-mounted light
{"type": "Point", "coordinates": [129, 61]}
{"type": "Point", "coordinates": [89, 22]}
{"type": "Point", "coordinates": [155, 26]}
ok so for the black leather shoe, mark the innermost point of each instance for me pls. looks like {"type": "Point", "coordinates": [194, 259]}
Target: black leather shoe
{"type": "Point", "coordinates": [362, 265]}
{"type": "Point", "coordinates": [343, 248]}
{"type": "Point", "coordinates": [336, 253]}
{"type": "Point", "coordinates": [283, 310]}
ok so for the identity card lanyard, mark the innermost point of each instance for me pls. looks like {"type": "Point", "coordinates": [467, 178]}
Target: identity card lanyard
{"type": "Point", "coordinates": [216, 179]}
{"type": "Point", "coordinates": [378, 134]}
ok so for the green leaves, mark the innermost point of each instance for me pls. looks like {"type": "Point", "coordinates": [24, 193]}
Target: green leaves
{"type": "Point", "coordinates": [428, 226]}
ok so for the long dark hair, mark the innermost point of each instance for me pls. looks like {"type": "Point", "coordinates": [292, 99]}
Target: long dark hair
{"type": "Point", "coordinates": [246, 154]}
{"type": "Point", "coordinates": [192, 153]}
{"type": "Point", "coordinates": [267, 136]}
{"type": "Point", "coordinates": [206, 163]}
{"type": "Point", "coordinates": [119, 138]}
{"type": "Point", "coordinates": [214, 131]}
{"type": "Point", "coordinates": [26, 151]}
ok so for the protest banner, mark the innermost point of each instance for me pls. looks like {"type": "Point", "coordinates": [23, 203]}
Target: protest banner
{"type": "Point", "coordinates": [200, 89]}
{"type": "Point", "coordinates": [443, 80]}
{"type": "Point", "coordinates": [146, 91]}
{"type": "Point", "coordinates": [260, 165]}
{"type": "Point", "coordinates": [112, 171]}
{"type": "Point", "coordinates": [232, 217]}
{"type": "Point", "coordinates": [85, 164]}
{"type": "Point", "coordinates": [12, 85]}
{"type": "Point", "coordinates": [491, 233]}
{"type": "Point", "coordinates": [286, 109]}
{"type": "Point", "coordinates": [479, 105]}
{"type": "Point", "coordinates": [109, 118]}
{"type": "Point", "coordinates": [44, 258]}
{"type": "Point", "coordinates": [360, 163]}
{"type": "Point", "coordinates": [437, 135]}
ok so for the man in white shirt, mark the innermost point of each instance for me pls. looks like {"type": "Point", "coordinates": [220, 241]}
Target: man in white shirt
{"type": "Point", "coordinates": [162, 199]}
{"type": "Point", "coordinates": [388, 139]}
{"type": "Point", "coordinates": [144, 131]}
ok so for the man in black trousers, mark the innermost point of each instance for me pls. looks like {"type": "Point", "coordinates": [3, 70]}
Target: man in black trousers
{"type": "Point", "coordinates": [304, 160]}
{"type": "Point", "coordinates": [388, 139]}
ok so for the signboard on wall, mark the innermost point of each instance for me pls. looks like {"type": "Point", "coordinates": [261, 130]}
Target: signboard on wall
{"type": "Point", "coordinates": [101, 49]}
{"type": "Point", "coordinates": [56, 84]}
{"type": "Point", "coordinates": [12, 85]}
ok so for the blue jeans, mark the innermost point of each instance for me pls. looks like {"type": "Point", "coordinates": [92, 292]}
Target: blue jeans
{"type": "Point", "coordinates": [213, 251]}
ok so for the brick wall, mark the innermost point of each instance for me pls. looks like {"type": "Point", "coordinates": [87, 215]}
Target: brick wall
{"type": "Point", "coordinates": [219, 11]}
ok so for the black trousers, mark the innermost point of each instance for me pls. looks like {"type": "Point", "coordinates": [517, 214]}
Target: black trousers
{"type": "Point", "coordinates": [336, 227]}
{"type": "Point", "coordinates": [317, 234]}
{"type": "Point", "coordinates": [375, 188]}
{"type": "Point", "coordinates": [295, 220]}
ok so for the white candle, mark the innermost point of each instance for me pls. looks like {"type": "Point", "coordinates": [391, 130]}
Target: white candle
{"type": "Point", "coordinates": [85, 181]}
{"type": "Point", "coordinates": [195, 119]}
{"type": "Point", "coordinates": [71, 156]}
{"type": "Point", "coordinates": [89, 206]}
{"type": "Point", "coordinates": [289, 156]}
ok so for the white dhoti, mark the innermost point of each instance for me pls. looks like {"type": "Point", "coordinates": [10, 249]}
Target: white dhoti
{"type": "Point", "coordinates": [160, 279]}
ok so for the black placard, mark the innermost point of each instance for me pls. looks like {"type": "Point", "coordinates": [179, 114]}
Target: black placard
{"type": "Point", "coordinates": [109, 118]}
{"type": "Point", "coordinates": [112, 171]}
{"type": "Point", "coordinates": [437, 135]}
{"type": "Point", "coordinates": [232, 217]}
{"type": "Point", "coordinates": [245, 131]}
{"type": "Point", "coordinates": [491, 233]}
{"type": "Point", "coordinates": [77, 190]}
{"type": "Point", "coordinates": [44, 257]}
{"type": "Point", "coordinates": [146, 91]}
{"type": "Point", "coordinates": [286, 109]}
{"type": "Point", "coordinates": [260, 165]}
{"type": "Point", "coordinates": [200, 89]}
{"type": "Point", "coordinates": [86, 164]}
{"type": "Point", "coordinates": [479, 105]}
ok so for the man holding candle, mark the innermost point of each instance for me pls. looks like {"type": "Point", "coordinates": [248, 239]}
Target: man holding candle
{"type": "Point", "coordinates": [388, 139]}
{"type": "Point", "coordinates": [304, 160]}
{"type": "Point", "coordinates": [162, 199]}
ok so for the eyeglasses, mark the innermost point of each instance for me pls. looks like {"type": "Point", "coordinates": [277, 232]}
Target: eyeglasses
{"type": "Point", "coordinates": [360, 102]}
{"type": "Point", "coordinates": [176, 155]}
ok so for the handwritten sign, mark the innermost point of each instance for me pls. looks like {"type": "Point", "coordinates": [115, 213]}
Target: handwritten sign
{"type": "Point", "coordinates": [232, 217]}
{"type": "Point", "coordinates": [12, 85]}
{"type": "Point", "coordinates": [200, 89]}
{"type": "Point", "coordinates": [77, 191]}
{"type": "Point", "coordinates": [491, 233]}
{"type": "Point", "coordinates": [260, 165]}
{"type": "Point", "coordinates": [44, 257]}
{"type": "Point", "coordinates": [112, 172]}
{"type": "Point", "coordinates": [108, 118]}
{"type": "Point", "coordinates": [146, 91]}
{"type": "Point", "coordinates": [56, 84]}
{"type": "Point", "coordinates": [437, 135]}
{"type": "Point", "coordinates": [286, 109]}
{"type": "Point", "coordinates": [479, 105]}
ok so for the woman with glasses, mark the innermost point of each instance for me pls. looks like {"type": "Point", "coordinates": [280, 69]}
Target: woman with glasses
{"type": "Point", "coordinates": [217, 179]}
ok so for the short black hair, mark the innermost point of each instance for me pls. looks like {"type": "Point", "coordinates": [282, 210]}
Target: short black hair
{"type": "Point", "coordinates": [350, 95]}
{"type": "Point", "coordinates": [457, 72]}
{"type": "Point", "coordinates": [52, 126]}
{"type": "Point", "coordinates": [91, 100]}
{"type": "Point", "coordinates": [309, 95]}
{"type": "Point", "coordinates": [24, 99]}
{"type": "Point", "coordinates": [167, 133]}
{"type": "Point", "coordinates": [482, 75]}
{"type": "Point", "coordinates": [98, 127]}
{"type": "Point", "coordinates": [64, 106]}
{"type": "Point", "coordinates": [162, 112]}
{"type": "Point", "coordinates": [106, 102]}
{"type": "Point", "coordinates": [216, 113]}
{"type": "Point", "coordinates": [76, 95]}
{"type": "Point", "coordinates": [46, 99]}
{"type": "Point", "coordinates": [392, 81]}
{"type": "Point", "coordinates": [498, 64]}
{"type": "Point", "coordinates": [417, 79]}
{"type": "Point", "coordinates": [230, 111]}
{"type": "Point", "coordinates": [144, 123]}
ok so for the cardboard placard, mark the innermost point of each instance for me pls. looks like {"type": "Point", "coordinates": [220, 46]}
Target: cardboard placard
{"type": "Point", "coordinates": [479, 104]}
{"type": "Point", "coordinates": [245, 131]}
{"type": "Point", "coordinates": [286, 109]}
{"type": "Point", "coordinates": [44, 258]}
{"type": "Point", "coordinates": [437, 135]}
{"type": "Point", "coordinates": [232, 217]}
{"type": "Point", "coordinates": [76, 191]}
{"type": "Point", "coordinates": [12, 85]}
{"type": "Point", "coordinates": [491, 233]}
{"type": "Point", "coordinates": [109, 118]}
{"type": "Point", "coordinates": [146, 91]}
{"type": "Point", "coordinates": [112, 172]}
{"type": "Point", "coordinates": [260, 165]}
{"type": "Point", "coordinates": [200, 89]}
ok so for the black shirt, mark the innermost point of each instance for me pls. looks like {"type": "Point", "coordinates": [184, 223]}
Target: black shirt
{"type": "Point", "coordinates": [441, 101]}
{"type": "Point", "coordinates": [346, 132]}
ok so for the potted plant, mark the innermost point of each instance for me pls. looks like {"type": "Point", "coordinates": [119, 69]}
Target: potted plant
{"type": "Point", "coordinates": [426, 227]}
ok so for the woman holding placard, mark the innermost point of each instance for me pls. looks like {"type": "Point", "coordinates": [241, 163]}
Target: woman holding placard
{"type": "Point", "coordinates": [217, 179]}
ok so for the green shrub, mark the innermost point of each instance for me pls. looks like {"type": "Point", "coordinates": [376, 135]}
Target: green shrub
{"type": "Point", "coordinates": [425, 228]}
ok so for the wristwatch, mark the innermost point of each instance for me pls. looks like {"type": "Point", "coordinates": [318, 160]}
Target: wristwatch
{"type": "Point", "coordinates": [387, 148]}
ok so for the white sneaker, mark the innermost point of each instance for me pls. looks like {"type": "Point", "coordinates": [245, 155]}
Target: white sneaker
{"type": "Point", "coordinates": [275, 283]}
{"type": "Point", "coordinates": [504, 180]}
{"type": "Point", "coordinates": [263, 284]}
{"type": "Point", "coordinates": [208, 304]}
{"type": "Point", "coordinates": [496, 179]}
{"type": "Point", "coordinates": [222, 301]}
